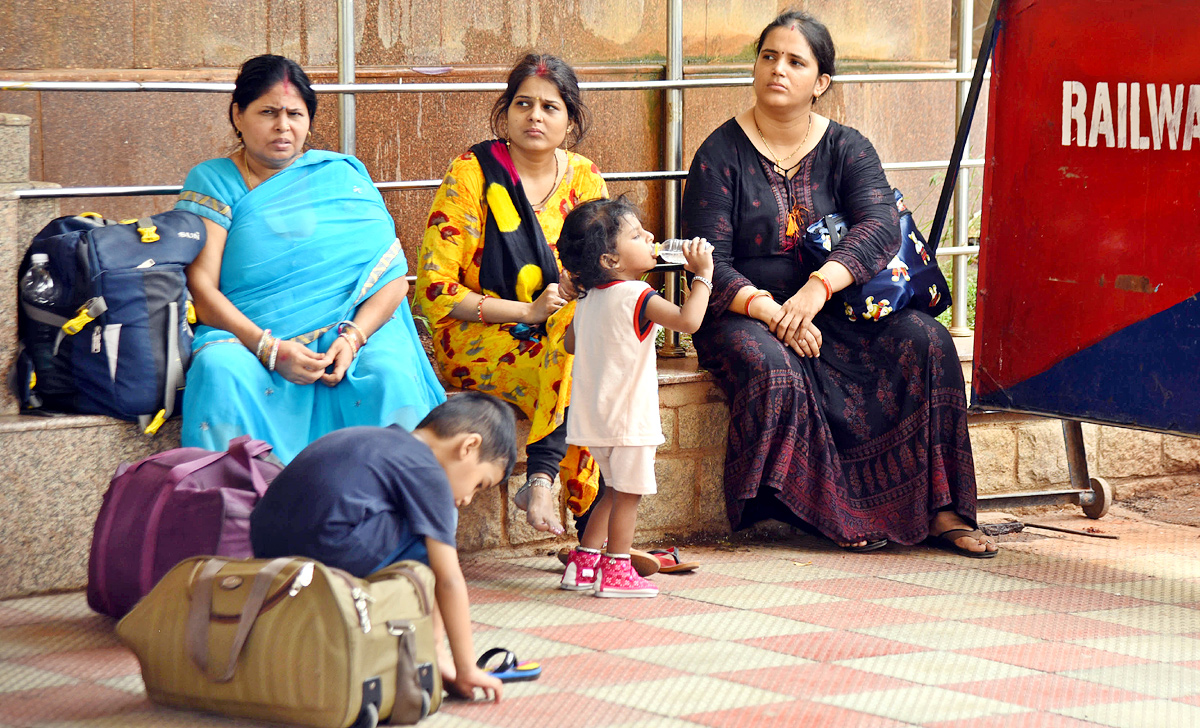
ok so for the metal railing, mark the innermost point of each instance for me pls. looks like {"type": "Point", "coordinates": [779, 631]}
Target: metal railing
{"type": "Point", "coordinates": [211, 87]}
{"type": "Point", "coordinates": [426, 184]}
{"type": "Point", "coordinates": [673, 85]}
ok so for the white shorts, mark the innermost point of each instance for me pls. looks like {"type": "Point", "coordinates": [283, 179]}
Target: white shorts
{"type": "Point", "coordinates": [627, 468]}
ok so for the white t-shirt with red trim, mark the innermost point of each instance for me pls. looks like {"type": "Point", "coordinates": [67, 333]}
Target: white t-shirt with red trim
{"type": "Point", "coordinates": [614, 389]}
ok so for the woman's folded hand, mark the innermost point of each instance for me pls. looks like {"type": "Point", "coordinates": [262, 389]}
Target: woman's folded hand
{"type": "Point", "coordinates": [797, 313]}
{"type": "Point", "coordinates": [298, 364]}
{"type": "Point", "coordinates": [340, 354]}
{"type": "Point", "coordinates": [807, 342]}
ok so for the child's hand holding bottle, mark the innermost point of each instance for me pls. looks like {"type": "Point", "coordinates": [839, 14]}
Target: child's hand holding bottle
{"type": "Point", "coordinates": [697, 253]}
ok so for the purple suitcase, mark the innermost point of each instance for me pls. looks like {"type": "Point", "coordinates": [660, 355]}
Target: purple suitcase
{"type": "Point", "coordinates": [172, 506]}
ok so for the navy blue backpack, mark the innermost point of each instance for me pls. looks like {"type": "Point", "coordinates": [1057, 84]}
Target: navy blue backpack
{"type": "Point", "coordinates": [117, 339]}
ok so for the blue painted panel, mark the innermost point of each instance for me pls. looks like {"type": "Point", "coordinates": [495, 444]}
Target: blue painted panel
{"type": "Point", "coordinates": [1146, 375]}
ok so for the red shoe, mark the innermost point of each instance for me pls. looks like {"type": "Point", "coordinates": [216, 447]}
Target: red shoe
{"type": "Point", "coordinates": [580, 574]}
{"type": "Point", "coordinates": [616, 578]}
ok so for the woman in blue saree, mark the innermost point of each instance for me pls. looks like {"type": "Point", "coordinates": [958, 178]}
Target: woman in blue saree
{"type": "Point", "coordinates": [300, 288]}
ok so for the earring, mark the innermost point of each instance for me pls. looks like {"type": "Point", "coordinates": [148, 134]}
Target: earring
{"type": "Point", "coordinates": [238, 132]}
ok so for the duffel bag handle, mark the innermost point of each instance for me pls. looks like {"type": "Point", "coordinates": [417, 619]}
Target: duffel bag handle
{"type": "Point", "coordinates": [246, 450]}
{"type": "Point", "coordinates": [200, 613]}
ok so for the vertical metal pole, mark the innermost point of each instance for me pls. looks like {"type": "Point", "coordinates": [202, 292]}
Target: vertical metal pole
{"type": "Point", "coordinates": [673, 156]}
{"type": "Point", "coordinates": [962, 194]}
{"type": "Point", "coordinates": [1076, 454]}
{"type": "Point", "coordinates": [346, 60]}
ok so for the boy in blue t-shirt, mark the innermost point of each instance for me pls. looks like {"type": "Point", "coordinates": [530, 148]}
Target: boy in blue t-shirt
{"type": "Point", "coordinates": [362, 498]}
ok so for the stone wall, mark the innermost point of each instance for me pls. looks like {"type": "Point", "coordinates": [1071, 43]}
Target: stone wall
{"type": "Point", "coordinates": [1015, 453]}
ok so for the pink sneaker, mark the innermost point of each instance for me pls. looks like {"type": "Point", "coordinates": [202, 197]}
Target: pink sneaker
{"type": "Point", "coordinates": [616, 578]}
{"type": "Point", "coordinates": [580, 574]}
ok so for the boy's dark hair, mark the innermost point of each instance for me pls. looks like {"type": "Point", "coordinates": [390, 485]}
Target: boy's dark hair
{"type": "Point", "coordinates": [260, 73]}
{"type": "Point", "coordinates": [813, 30]}
{"type": "Point", "coordinates": [476, 412]}
{"type": "Point", "coordinates": [556, 71]}
{"type": "Point", "coordinates": [588, 232]}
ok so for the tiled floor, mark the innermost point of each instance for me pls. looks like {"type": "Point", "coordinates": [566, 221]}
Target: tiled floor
{"type": "Point", "coordinates": [1060, 631]}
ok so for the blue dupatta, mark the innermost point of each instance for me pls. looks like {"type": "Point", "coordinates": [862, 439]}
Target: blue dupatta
{"type": "Point", "coordinates": [304, 250]}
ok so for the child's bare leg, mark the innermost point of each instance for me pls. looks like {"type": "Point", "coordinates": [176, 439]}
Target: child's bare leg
{"type": "Point", "coordinates": [597, 526]}
{"type": "Point", "coordinates": [622, 520]}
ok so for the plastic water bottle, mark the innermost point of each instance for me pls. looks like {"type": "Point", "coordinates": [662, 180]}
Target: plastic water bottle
{"type": "Point", "coordinates": [37, 287]}
{"type": "Point", "coordinates": [670, 250]}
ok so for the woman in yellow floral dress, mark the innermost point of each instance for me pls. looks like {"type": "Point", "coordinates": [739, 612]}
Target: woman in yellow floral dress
{"type": "Point", "coordinates": [488, 274]}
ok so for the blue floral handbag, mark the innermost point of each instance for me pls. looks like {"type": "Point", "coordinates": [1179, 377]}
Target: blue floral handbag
{"type": "Point", "coordinates": [911, 279]}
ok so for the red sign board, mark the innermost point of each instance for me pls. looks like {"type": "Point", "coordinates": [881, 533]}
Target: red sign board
{"type": "Point", "coordinates": [1090, 264]}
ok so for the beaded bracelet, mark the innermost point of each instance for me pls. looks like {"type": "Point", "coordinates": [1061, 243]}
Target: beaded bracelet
{"type": "Point", "coordinates": [479, 309]}
{"type": "Point", "coordinates": [824, 281]}
{"type": "Point", "coordinates": [705, 281]}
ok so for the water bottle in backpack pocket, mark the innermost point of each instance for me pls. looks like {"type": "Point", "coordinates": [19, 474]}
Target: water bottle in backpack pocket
{"type": "Point", "coordinates": [115, 338]}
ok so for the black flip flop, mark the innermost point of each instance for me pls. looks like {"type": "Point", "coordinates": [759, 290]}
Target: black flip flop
{"type": "Point", "coordinates": [946, 541]}
{"type": "Point", "coordinates": [868, 546]}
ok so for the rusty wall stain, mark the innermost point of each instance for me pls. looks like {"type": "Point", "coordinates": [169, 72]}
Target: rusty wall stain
{"type": "Point", "coordinates": [1136, 284]}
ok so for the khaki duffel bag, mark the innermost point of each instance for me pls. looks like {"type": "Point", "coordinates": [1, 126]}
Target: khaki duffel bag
{"type": "Point", "coordinates": [289, 640]}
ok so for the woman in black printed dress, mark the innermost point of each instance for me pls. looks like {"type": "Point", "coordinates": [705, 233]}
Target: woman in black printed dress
{"type": "Point", "coordinates": [857, 429]}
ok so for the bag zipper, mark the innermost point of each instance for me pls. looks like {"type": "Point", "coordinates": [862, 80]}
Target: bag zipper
{"type": "Point", "coordinates": [363, 600]}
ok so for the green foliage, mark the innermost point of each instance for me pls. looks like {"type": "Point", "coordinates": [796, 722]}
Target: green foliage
{"type": "Point", "coordinates": [947, 266]}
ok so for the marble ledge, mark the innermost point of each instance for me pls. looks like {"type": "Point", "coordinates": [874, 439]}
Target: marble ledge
{"type": "Point", "coordinates": [681, 370]}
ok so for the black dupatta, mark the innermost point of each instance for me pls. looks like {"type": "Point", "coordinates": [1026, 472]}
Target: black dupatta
{"type": "Point", "coordinates": [517, 262]}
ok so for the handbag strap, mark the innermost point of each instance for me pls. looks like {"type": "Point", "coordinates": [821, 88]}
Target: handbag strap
{"type": "Point", "coordinates": [964, 125]}
{"type": "Point", "coordinates": [835, 236]}
{"type": "Point", "coordinates": [198, 623]}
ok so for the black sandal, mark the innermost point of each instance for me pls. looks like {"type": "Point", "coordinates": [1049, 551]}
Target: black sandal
{"type": "Point", "coordinates": [868, 546]}
{"type": "Point", "coordinates": [945, 541]}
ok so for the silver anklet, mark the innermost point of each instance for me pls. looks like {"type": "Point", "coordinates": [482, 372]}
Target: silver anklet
{"type": "Point", "coordinates": [539, 481]}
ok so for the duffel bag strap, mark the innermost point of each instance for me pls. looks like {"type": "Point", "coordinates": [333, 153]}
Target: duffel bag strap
{"type": "Point", "coordinates": [201, 611]}
{"type": "Point", "coordinates": [411, 703]}
{"type": "Point", "coordinates": [174, 476]}
{"type": "Point", "coordinates": [246, 450]}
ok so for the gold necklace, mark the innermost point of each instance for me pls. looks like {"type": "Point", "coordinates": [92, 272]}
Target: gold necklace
{"type": "Point", "coordinates": [778, 160]}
